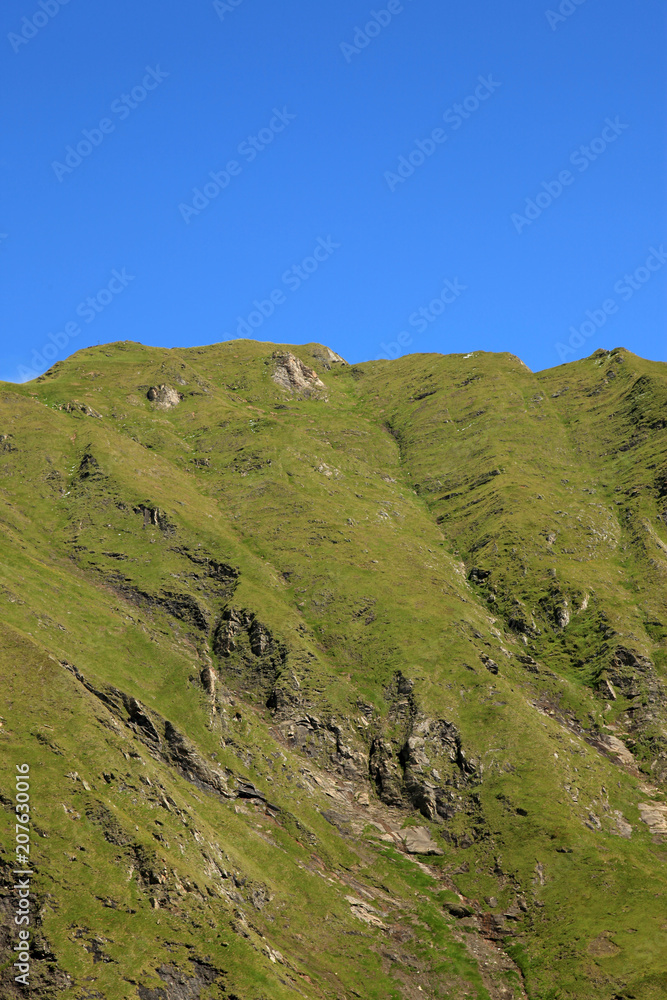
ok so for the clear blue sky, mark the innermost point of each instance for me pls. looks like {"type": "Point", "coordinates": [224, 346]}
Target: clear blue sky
{"type": "Point", "coordinates": [181, 89]}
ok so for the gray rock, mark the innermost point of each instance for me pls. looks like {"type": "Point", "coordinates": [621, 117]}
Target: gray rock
{"type": "Point", "coordinates": [618, 748]}
{"type": "Point", "coordinates": [418, 840]}
{"type": "Point", "coordinates": [164, 396]}
{"type": "Point", "coordinates": [606, 690]}
{"type": "Point", "coordinates": [327, 357]}
{"type": "Point", "coordinates": [620, 826]}
{"type": "Point", "coordinates": [292, 374]}
{"type": "Point", "coordinates": [654, 814]}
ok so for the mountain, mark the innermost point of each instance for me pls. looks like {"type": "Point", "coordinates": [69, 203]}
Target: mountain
{"type": "Point", "coordinates": [335, 680]}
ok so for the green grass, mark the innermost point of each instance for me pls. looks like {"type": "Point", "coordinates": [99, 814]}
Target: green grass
{"type": "Point", "coordinates": [351, 527]}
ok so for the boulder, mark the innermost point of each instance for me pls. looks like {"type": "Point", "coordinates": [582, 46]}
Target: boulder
{"type": "Point", "coordinates": [418, 840]}
{"type": "Point", "coordinates": [164, 397]}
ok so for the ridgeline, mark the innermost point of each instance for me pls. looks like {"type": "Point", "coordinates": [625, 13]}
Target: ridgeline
{"type": "Point", "coordinates": [336, 680]}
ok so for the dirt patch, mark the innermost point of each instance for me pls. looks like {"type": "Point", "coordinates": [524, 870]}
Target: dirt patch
{"type": "Point", "coordinates": [602, 947]}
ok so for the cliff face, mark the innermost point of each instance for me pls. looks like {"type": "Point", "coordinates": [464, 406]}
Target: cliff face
{"type": "Point", "coordinates": [336, 681]}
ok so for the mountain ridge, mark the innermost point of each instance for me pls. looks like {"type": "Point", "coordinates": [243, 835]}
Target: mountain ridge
{"type": "Point", "coordinates": [431, 591]}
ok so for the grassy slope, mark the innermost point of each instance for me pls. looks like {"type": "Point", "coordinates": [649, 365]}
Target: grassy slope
{"type": "Point", "coordinates": [353, 524]}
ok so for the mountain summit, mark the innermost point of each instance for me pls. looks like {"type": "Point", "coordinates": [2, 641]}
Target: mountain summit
{"type": "Point", "coordinates": [335, 680]}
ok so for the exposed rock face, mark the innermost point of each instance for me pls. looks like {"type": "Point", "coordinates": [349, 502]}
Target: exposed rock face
{"type": "Point", "coordinates": [164, 397]}
{"type": "Point", "coordinates": [364, 911]}
{"type": "Point", "coordinates": [418, 840]}
{"type": "Point", "coordinates": [89, 467]}
{"type": "Point", "coordinates": [46, 978]}
{"type": "Point", "coordinates": [249, 650]}
{"type": "Point", "coordinates": [386, 773]}
{"type": "Point", "coordinates": [327, 357]}
{"type": "Point", "coordinates": [213, 577]}
{"type": "Point", "coordinates": [626, 669]}
{"type": "Point", "coordinates": [434, 766]}
{"type": "Point", "coordinates": [458, 910]}
{"type": "Point", "coordinates": [427, 768]}
{"type": "Point", "coordinates": [490, 664]}
{"type": "Point", "coordinates": [316, 737]}
{"type": "Point", "coordinates": [154, 517]}
{"type": "Point", "coordinates": [606, 689]}
{"type": "Point", "coordinates": [654, 814]}
{"type": "Point", "coordinates": [521, 620]}
{"type": "Point", "coordinates": [164, 741]}
{"type": "Point", "coordinates": [620, 826]}
{"type": "Point", "coordinates": [180, 985]}
{"type": "Point", "coordinates": [76, 407]}
{"type": "Point", "coordinates": [563, 616]}
{"type": "Point", "coordinates": [529, 663]}
{"type": "Point", "coordinates": [184, 607]}
{"type": "Point", "coordinates": [209, 680]}
{"type": "Point", "coordinates": [292, 374]}
{"type": "Point", "coordinates": [618, 748]}
{"type": "Point", "coordinates": [234, 622]}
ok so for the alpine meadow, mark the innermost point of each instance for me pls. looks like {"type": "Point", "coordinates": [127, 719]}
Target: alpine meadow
{"type": "Point", "coordinates": [334, 680]}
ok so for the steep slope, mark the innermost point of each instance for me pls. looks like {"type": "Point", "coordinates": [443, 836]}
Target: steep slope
{"type": "Point", "coordinates": [552, 489]}
{"type": "Point", "coordinates": [337, 681]}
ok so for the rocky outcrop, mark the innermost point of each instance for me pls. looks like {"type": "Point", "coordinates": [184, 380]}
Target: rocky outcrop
{"type": "Point", "coordinates": [298, 378]}
{"type": "Point", "coordinates": [315, 737]}
{"type": "Point", "coordinates": [213, 577]}
{"type": "Point", "coordinates": [418, 840]}
{"type": "Point", "coordinates": [180, 985]}
{"type": "Point", "coordinates": [435, 768]}
{"type": "Point", "coordinates": [654, 814]}
{"type": "Point", "coordinates": [75, 407]}
{"type": "Point", "coordinates": [182, 606]}
{"type": "Point", "coordinates": [629, 671]}
{"type": "Point", "coordinates": [156, 518]}
{"type": "Point", "coordinates": [619, 826]}
{"type": "Point", "coordinates": [605, 689]}
{"type": "Point", "coordinates": [617, 748]}
{"type": "Point", "coordinates": [47, 979]}
{"type": "Point", "coordinates": [166, 743]}
{"type": "Point", "coordinates": [413, 761]}
{"type": "Point", "coordinates": [490, 664]}
{"type": "Point", "coordinates": [89, 467]}
{"type": "Point", "coordinates": [519, 619]}
{"type": "Point", "coordinates": [248, 650]}
{"type": "Point", "coordinates": [386, 773]}
{"type": "Point", "coordinates": [235, 623]}
{"type": "Point", "coordinates": [327, 358]}
{"type": "Point", "coordinates": [555, 608]}
{"type": "Point", "coordinates": [426, 767]}
{"type": "Point", "coordinates": [209, 680]}
{"type": "Point", "coordinates": [164, 397]}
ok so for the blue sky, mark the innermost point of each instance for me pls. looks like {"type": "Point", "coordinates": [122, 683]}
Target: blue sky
{"type": "Point", "coordinates": [401, 177]}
